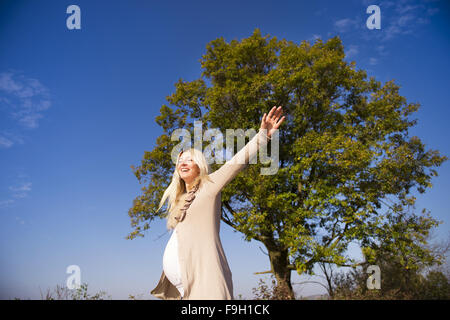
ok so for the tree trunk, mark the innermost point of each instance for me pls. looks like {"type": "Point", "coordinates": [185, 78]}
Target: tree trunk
{"type": "Point", "coordinates": [279, 262]}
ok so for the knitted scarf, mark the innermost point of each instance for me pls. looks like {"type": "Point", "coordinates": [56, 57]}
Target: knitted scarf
{"type": "Point", "coordinates": [187, 202]}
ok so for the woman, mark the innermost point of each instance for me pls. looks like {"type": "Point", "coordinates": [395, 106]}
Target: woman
{"type": "Point", "coordinates": [194, 263]}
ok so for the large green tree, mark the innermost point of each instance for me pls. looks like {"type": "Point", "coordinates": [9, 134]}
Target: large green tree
{"type": "Point", "coordinates": [344, 148]}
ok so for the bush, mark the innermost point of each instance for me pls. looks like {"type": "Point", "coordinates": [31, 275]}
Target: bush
{"type": "Point", "coordinates": [270, 292]}
{"type": "Point", "coordinates": [64, 293]}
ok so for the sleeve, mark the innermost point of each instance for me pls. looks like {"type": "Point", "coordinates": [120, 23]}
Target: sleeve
{"type": "Point", "coordinates": [230, 169]}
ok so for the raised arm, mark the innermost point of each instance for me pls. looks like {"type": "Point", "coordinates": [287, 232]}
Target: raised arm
{"type": "Point", "coordinates": [269, 123]}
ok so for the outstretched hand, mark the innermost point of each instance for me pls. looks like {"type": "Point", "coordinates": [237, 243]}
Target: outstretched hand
{"type": "Point", "coordinates": [272, 121]}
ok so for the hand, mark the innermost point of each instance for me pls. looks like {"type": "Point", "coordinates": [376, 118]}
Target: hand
{"type": "Point", "coordinates": [272, 121]}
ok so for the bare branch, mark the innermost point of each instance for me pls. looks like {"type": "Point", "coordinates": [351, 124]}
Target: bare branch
{"type": "Point", "coordinates": [263, 251]}
{"type": "Point", "coordinates": [160, 236]}
{"type": "Point", "coordinates": [263, 272]}
{"type": "Point", "coordinates": [225, 217]}
{"type": "Point", "coordinates": [316, 282]}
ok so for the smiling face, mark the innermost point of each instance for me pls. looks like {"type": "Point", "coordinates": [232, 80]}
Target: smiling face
{"type": "Point", "coordinates": [187, 168]}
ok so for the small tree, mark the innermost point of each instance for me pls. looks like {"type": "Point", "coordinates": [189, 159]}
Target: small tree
{"type": "Point", "coordinates": [436, 286]}
{"type": "Point", "coordinates": [404, 255]}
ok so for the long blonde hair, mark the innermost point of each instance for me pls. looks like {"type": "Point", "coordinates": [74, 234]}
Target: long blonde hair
{"type": "Point", "coordinates": [177, 188]}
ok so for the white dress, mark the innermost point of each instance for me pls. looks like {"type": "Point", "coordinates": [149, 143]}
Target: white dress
{"type": "Point", "coordinates": [171, 264]}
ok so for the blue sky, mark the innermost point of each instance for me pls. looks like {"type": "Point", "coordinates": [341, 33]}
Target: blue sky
{"type": "Point", "coordinates": [77, 109]}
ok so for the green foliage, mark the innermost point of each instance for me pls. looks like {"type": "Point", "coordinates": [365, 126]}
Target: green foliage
{"type": "Point", "coordinates": [436, 286]}
{"type": "Point", "coordinates": [396, 284]}
{"type": "Point", "coordinates": [403, 239]}
{"type": "Point", "coordinates": [82, 294]}
{"type": "Point", "coordinates": [344, 148]}
{"type": "Point", "coordinates": [407, 261]}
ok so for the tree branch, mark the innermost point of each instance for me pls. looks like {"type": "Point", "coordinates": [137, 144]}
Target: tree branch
{"type": "Point", "coordinates": [263, 272]}
{"type": "Point", "coordinates": [317, 282]}
{"type": "Point", "coordinates": [225, 218]}
{"type": "Point", "coordinates": [263, 251]}
{"type": "Point", "coordinates": [291, 267]}
{"type": "Point", "coordinates": [343, 265]}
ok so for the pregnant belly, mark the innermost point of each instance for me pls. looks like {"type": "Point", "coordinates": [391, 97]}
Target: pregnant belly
{"type": "Point", "coordinates": [171, 265]}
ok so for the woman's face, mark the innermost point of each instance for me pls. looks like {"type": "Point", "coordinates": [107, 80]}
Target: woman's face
{"type": "Point", "coordinates": [187, 168]}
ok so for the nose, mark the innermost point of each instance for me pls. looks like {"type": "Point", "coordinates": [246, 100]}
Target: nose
{"type": "Point", "coordinates": [183, 165]}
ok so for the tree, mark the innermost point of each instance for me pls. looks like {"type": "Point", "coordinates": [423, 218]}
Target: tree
{"type": "Point", "coordinates": [437, 286]}
{"type": "Point", "coordinates": [344, 148]}
{"type": "Point", "coordinates": [396, 283]}
{"type": "Point", "coordinates": [401, 249]}
{"type": "Point", "coordinates": [406, 258]}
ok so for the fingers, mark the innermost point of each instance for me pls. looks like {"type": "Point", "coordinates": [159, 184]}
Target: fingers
{"type": "Point", "coordinates": [274, 117]}
{"type": "Point", "coordinates": [275, 113]}
{"type": "Point", "coordinates": [279, 122]}
{"type": "Point", "coordinates": [279, 112]}
{"type": "Point", "coordinates": [271, 112]}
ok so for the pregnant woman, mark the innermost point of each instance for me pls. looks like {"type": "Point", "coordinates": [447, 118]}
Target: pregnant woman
{"type": "Point", "coordinates": [194, 263]}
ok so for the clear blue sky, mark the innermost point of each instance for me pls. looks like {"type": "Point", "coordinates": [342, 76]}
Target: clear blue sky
{"type": "Point", "coordinates": [77, 108]}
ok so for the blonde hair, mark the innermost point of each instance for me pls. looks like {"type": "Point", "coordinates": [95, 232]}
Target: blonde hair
{"type": "Point", "coordinates": [177, 188]}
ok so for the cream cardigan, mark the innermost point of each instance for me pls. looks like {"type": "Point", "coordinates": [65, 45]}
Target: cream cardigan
{"type": "Point", "coordinates": [204, 268]}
